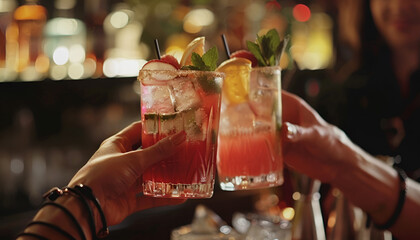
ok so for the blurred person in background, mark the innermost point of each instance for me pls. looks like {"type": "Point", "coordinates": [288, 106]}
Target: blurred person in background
{"type": "Point", "coordinates": [381, 112]}
{"type": "Point", "coordinates": [373, 91]}
{"type": "Point", "coordinates": [322, 151]}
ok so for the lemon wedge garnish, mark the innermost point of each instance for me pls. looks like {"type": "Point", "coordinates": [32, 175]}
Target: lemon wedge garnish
{"type": "Point", "coordinates": [236, 84]}
{"type": "Point", "coordinates": [197, 46]}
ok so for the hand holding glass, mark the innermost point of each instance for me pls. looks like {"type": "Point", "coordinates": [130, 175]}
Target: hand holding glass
{"type": "Point", "coordinates": [174, 101]}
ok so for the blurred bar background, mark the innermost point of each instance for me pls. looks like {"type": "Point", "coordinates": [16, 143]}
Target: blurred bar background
{"type": "Point", "coordinates": [68, 80]}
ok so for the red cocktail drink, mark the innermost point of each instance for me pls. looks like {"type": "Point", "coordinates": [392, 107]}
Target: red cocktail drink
{"type": "Point", "coordinates": [174, 101]}
{"type": "Point", "coordinates": [248, 155]}
{"type": "Point", "coordinates": [249, 151]}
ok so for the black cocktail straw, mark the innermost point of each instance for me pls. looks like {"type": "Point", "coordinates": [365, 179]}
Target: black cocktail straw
{"type": "Point", "coordinates": [157, 48]}
{"type": "Point", "coordinates": [226, 45]}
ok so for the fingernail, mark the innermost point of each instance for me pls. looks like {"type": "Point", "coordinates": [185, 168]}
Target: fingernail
{"type": "Point", "coordinates": [178, 138]}
{"type": "Point", "coordinates": [291, 130]}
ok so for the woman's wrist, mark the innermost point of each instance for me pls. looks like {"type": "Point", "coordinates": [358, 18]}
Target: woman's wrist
{"type": "Point", "coordinates": [57, 217]}
{"type": "Point", "coordinates": [93, 205]}
{"type": "Point", "coordinates": [73, 212]}
{"type": "Point", "coordinates": [349, 159]}
{"type": "Point", "coordinates": [369, 184]}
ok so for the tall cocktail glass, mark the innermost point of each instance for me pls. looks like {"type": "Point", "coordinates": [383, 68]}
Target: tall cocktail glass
{"type": "Point", "coordinates": [174, 101]}
{"type": "Point", "coordinates": [249, 151]}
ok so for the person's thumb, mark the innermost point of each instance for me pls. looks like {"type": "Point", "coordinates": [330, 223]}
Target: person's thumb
{"type": "Point", "coordinates": [144, 158]}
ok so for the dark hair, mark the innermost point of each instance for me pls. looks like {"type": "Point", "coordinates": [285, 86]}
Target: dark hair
{"type": "Point", "coordinates": [358, 39]}
{"type": "Point", "coordinates": [371, 41]}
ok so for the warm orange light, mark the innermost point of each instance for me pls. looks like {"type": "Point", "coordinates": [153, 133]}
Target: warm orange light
{"type": "Point", "coordinates": [30, 12]}
{"type": "Point", "coordinates": [332, 219]}
{"type": "Point", "coordinates": [91, 55]}
{"type": "Point", "coordinates": [12, 33]}
{"type": "Point", "coordinates": [180, 12]}
{"type": "Point", "coordinates": [42, 64]}
{"type": "Point", "coordinates": [301, 13]}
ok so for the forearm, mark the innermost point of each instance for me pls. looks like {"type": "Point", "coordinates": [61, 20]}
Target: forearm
{"type": "Point", "coordinates": [56, 216]}
{"type": "Point", "coordinates": [374, 186]}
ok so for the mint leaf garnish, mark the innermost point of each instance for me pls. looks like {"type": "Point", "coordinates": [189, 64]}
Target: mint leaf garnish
{"type": "Point", "coordinates": [207, 62]}
{"type": "Point", "coordinates": [264, 42]}
{"type": "Point", "coordinates": [198, 62]}
{"type": "Point", "coordinates": [210, 58]}
{"type": "Point", "coordinates": [268, 48]}
{"type": "Point", "coordinates": [275, 44]}
{"type": "Point", "coordinates": [255, 49]}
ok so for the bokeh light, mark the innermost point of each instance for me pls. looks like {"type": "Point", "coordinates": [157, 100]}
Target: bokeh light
{"type": "Point", "coordinates": [7, 6]}
{"type": "Point", "coordinates": [42, 63]}
{"type": "Point", "coordinates": [121, 67]}
{"type": "Point", "coordinates": [77, 53]}
{"type": "Point", "coordinates": [301, 13]}
{"type": "Point", "coordinates": [90, 67]}
{"type": "Point", "coordinates": [65, 26]}
{"type": "Point", "coordinates": [288, 213]}
{"type": "Point", "coordinates": [196, 19]}
{"type": "Point", "coordinates": [119, 19]}
{"type": "Point", "coordinates": [312, 42]}
{"type": "Point", "coordinates": [61, 55]}
{"type": "Point", "coordinates": [110, 67]}
{"type": "Point", "coordinates": [29, 12]}
{"type": "Point", "coordinates": [76, 71]}
{"type": "Point", "coordinates": [176, 44]}
{"type": "Point", "coordinates": [58, 72]}
{"type": "Point", "coordinates": [332, 219]}
{"type": "Point", "coordinates": [296, 196]}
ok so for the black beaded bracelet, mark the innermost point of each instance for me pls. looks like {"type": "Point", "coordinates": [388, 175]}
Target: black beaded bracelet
{"type": "Point", "coordinates": [87, 193]}
{"type": "Point", "coordinates": [52, 226]}
{"type": "Point", "coordinates": [91, 220]}
{"type": "Point", "coordinates": [402, 176]}
{"type": "Point", "coordinates": [70, 215]}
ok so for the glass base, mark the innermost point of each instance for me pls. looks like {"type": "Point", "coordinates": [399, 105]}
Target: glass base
{"type": "Point", "coordinates": [251, 182]}
{"type": "Point", "coordinates": [179, 190]}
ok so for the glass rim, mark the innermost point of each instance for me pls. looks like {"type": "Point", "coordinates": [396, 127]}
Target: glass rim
{"type": "Point", "coordinates": [180, 72]}
{"type": "Point", "coordinates": [267, 67]}
{"type": "Point", "coordinates": [256, 69]}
